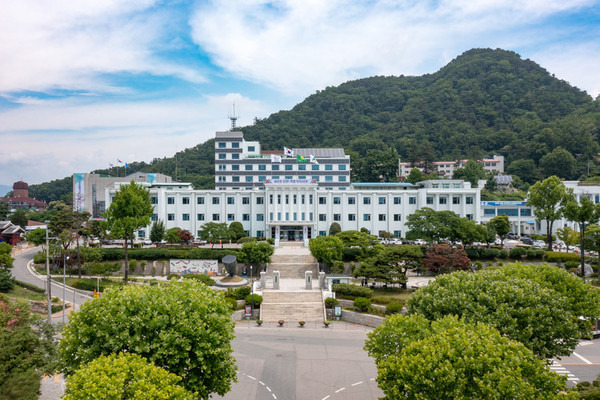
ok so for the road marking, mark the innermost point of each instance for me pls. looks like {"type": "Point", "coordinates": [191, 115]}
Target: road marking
{"type": "Point", "coordinates": [339, 390]}
{"type": "Point", "coordinates": [372, 379]}
{"type": "Point", "coordinates": [357, 383]}
{"type": "Point", "coordinates": [261, 382]}
{"type": "Point", "coordinates": [251, 377]}
{"type": "Point", "coordinates": [585, 343]}
{"type": "Point", "coordinates": [268, 388]}
{"type": "Point", "coordinates": [325, 398]}
{"type": "Point", "coordinates": [275, 397]}
{"type": "Point", "coordinates": [585, 360]}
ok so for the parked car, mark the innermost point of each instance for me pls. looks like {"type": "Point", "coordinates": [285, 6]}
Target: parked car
{"type": "Point", "coordinates": [512, 236]}
{"type": "Point", "coordinates": [420, 242]}
{"type": "Point", "coordinates": [539, 244]}
{"type": "Point", "coordinates": [527, 240]}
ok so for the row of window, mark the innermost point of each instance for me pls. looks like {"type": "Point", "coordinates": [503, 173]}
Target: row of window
{"type": "Point", "coordinates": [215, 217]}
{"type": "Point", "coordinates": [215, 200]}
{"type": "Point", "coordinates": [509, 212]}
{"type": "Point", "coordinates": [276, 167]}
{"type": "Point", "coordinates": [234, 145]}
{"type": "Point", "coordinates": [263, 178]}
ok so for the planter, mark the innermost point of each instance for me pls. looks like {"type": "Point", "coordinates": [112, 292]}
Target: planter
{"type": "Point", "coordinates": [259, 322]}
{"type": "Point", "coordinates": [301, 323]}
{"type": "Point", "coordinates": [326, 323]}
{"type": "Point", "coordinates": [281, 322]}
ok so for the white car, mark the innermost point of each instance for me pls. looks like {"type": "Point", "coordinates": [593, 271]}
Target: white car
{"type": "Point", "coordinates": [539, 244]}
{"type": "Point", "coordinates": [420, 242]}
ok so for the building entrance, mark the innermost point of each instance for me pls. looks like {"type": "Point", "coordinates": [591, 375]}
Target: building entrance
{"type": "Point", "coordinates": [290, 233]}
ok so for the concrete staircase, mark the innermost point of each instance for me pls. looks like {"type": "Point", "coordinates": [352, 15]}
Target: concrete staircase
{"type": "Point", "coordinates": [292, 261]}
{"type": "Point", "coordinates": [291, 306]}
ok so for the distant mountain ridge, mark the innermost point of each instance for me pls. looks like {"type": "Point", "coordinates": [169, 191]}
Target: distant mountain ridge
{"type": "Point", "coordinates": [483, 102]}
{"type": "Point", "coordinates": [4, 189]}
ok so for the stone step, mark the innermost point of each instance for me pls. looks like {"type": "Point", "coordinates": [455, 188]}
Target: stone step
{"type": "Point", "coordinates": [291, 297]}
{"type": "Point", "coordinates": [292, 312]}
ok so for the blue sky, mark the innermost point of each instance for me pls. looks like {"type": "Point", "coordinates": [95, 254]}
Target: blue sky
{"type": "Point", "coordinates": [86, 82]}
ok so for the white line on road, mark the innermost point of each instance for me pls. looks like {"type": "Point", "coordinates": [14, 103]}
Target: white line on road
{"type": "Point", "coordinates": [251, 377]}
{"type": "Point", "coordinates": [268, 388]}
{"type": "Point", "coordinates": [275, 397]}
{"type": "Point", "coordinates": [357, 383]}
{"type": "Point", "coordinates": [339, 390]}
{"type": "Point", "coordinates": [585, 360]}
{"type": "Point", "coordinates": [261, 382]}
{"type": "Point", "coordinates": [325, 398]}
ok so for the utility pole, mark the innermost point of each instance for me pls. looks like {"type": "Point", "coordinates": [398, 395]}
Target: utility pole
{"type": "Point", "coordinates": [49, 280]}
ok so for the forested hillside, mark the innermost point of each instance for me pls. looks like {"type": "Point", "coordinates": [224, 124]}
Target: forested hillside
{"type": "Point", "coordinates": [482, 103]}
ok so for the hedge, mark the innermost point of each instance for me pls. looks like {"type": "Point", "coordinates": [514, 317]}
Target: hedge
{"type": "Point", "coordinates": [346, 289]}
{"type": "Point", "coordinates": [362, 303]}
{"type": "Point", "coordinates": [472, 253]}
{"type": "Point", "coordinates": [257, 299]}
{"type": "Point", "coordinates": [330, 302]}
{"type": "Point", "coordinates": [31, 287]}
{"type": "Point", "coordinates": [517, 252]}
{"type": "Point", "coordinates": [533, 254]}
{"type": "Point", "coordinates": [207, 280]}
{"type": "Point", "coordinates": [394, 308]}
{"type": "Point", "coordinates": [555, 256]}
{"type": "Point", "coordinates": [351, 253]}
{"type": "Point", "coordinates": [160, 253]}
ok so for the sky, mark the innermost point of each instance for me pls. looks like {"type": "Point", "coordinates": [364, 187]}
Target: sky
{"type": "Point", "coordinates": [85, 83]}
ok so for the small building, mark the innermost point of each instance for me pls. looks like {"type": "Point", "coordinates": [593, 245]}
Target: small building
{"type": "Point", "coordinates": [20, 199]}
{"type": "Point", "coordinates": [10, 233]}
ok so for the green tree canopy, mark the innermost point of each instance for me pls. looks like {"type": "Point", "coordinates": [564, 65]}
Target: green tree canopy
{"type": "Point", "coordinates": [326, 249]}
{"type": "Point", "coordinates": [157, 231]}
{"type": "Point", "coordinates": [548, 198]}
{"type": "Point", "coordinates": [500, 225]}
{"type": "Point", "coordinates": [124, 376]}
{"type": "Point", "coordinates": [415, 176]}
{"type": "Point", "coordinates": [184, 327]}
{"type": "Point", "coordinates": [334, 229]}
{"type": "Point", "coordinates": [255, 254]}
{"type": "Point", "coordinates": [391, 264]}
{"type": "Point", "coordinates": [426, 223]}
{"type": "Point", "coordinates": [558, 162]}
{"type": "Point", "coordinates": [130, 210]}
{"type": "Point", "coordinates": [214, 232]}
{"type": "Point", "coordinates": [472, 172]}
{"type": "Point", "coordinates": [584, 214]}
{"type": "Point", "coordinates": [236, 230]}
{"type": "Point", "coordinates": [454, 359]}
{"type": "Point", "coordinates": [523, 309]}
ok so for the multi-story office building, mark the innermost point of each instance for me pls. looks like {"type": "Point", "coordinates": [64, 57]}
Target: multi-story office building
{"type": "Point", "coordinates": [447, 168]}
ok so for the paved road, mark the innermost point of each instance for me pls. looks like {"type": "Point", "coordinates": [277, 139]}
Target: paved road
{"type": "Point", "coordinates": [583, 364]}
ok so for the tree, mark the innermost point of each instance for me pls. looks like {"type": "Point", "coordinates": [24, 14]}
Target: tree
{"type": "Point", "coordinates": [157, 231]}
{"type": "Point", "coordinates": [98, 230]}
{"type": "Point", "coordinates": [334, 229]}
{"type": "Point", "coordinates": [451, 359]}
{"type": "Point", "coordinates": [124, 376]}
{"type": "Point", "coordinates": [326, 249]}
{"type": "Point", "coordinates": [184, 327]}
{"type": "Point", "coordinates": [367, 243]}
{"type": "Point", "coordinates": [6, 261]}
{"type": "Point", "coordinates": [520, 308]}
{"type": "Point", "coordinates": [500, 225]}
{"type": "Point", "coordinates": [171, 236]}
{"type": "Point", "coordinates": [490, 184]}
{"type": "Point", "coordinates": [559, 162]}
{"type": "Point", "coordinates": [27, 351]}
{"type": "Point", "coordinates": [592, 239]}
{"type": "Point", "coordinates": [524, 169]}
{"type": "Point", "coordinates": [255, 254]}
{"type": "Point", "coordinates": [548, 198]}
{"type": "Point", "coordinates": [426, 223]}
{"type": "Point", "coordinates": [37, 236]}
{"type": "Point", "coordinates": [441, 258]}
{"type": "Point", "coordinates": [568, 235]}
{"type": "Point", "coordinates": [214, 232]}
{"type": "Point", "coordinates": [129, 211]}
{"type": "Point", "coordinates": [391, 264]}
{"type": "Point", "coordinates": [236, 230]}
{"type": "Point", "coordinates": [471, 172]}
{"type": "Point", "coordinates": [19, 217]}
{"type": "Point", "coordinates": [185, 236]}
{"type": "Point", "coordinates": [415, 176]}
{"type": "Point", "coordinates": [584, 214]}
{"type": "Point", "coordinates": [4, 211]}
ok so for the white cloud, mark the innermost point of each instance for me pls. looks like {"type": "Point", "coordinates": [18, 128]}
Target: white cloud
{"type": "Point", "coordinates": [299, 46]}
{"type": "Point", "coordinates": [51, 140]}
{"type": "Point", "coordinates": [64, 44]}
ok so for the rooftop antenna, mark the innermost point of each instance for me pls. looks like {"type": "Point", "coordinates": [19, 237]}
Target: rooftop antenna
{"type": "Point", "coordinates": [233, 117]}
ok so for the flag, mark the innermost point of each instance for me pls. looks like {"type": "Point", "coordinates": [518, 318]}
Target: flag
{"type": "Point", "coordinates": [127, 166]}
{"type": "Point", "coordinates": [300, 159]}
{"type": "Point", "coordinates": [313, 160]}
{"type": "Point", "coordinates": [275, 158]}
{"type": "Point", "coordinates": [119, 161]}
{"type": "Point", "coordinates": [288, 152]}
{"type": "Point", "coordinates": [110, 165]}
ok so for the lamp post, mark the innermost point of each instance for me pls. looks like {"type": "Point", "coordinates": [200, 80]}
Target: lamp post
{"type": "Point", "coordinates": [49, 280]}
{"type": "Point", "coordinates": [65, 258]}
{"type": "Point", "coordinates": [252, 291]}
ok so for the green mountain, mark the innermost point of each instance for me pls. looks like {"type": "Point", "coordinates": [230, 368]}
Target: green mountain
{"type": "Point", "coordinates": [484, 102]}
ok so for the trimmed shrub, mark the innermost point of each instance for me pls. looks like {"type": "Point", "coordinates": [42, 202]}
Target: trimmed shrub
{"type": "Point", "coordinates": [257, 299]}
{"type": "Point", "coordinates": [330, 302]}
{"type": "Point", "coordinates": [7, 282]}
{"type": "Point", "coordinates": [394, 308]}
{"type": "Point", "coordinates": [39, 258]}
{"type": "Point", "coordinates": [503, 254]}
{"type": "Point", "coordinates": [385, 299]}
{"type": "Point", "coordinates": [351, 253]}
{"type": "Point", "coordinates": [173, 276]}
{"type": "Point", "coordinates": [352, 291]}
{"type": "Point", "coordinates": [271, 241]}
{"type": "Point", "coordinates": [232, 303]}
{"type": "Point", "coordinates": [246, 239]}
{"type": "Point", "coordinates": [362, 304]}
{"type": "Point", "coordinates": [132, 266]}
{"type": "Point", "coordinates": [490, 253]}
{"type": "Point", "coordinates": [242, 292]}
{"type": "Point", "coordinates": [572, 264]}
{"type": "Point", "coordinates": [31, 287]}
{"type": "Point", "coordinates": [555, 256]}
{"type": "Point", "coordinates": [517, 252]}
{"type": "Point", "coordinates": [472, 253]}
{"type": "Point", "coordinates": [535, 254]}
{"type": "Point", "coordinates": [207, 280]}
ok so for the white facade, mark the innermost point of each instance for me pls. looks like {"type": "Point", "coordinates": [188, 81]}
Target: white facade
{"type": "Point", "coordinates": [447, 168]}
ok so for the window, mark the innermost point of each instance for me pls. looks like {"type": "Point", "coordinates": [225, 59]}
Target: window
{"type": "Point", "coordinates": [262, 167]}
{"type": "Point", "coordinates": [366, 217]}
{"type": "Point", "coordinates": [235, 145]}
{"type": "Point", "coordinates": [302, 167]}
{"type": "Point", "coordinates": [351, 217]}
{"type": "Point", "coordinates": [302, 177]}
{"type": "Point", "coordinates": [342, 167]}
{"type": "Point", "coordinates": [270, 216]}
{"type": "Point", "coordinates": [154, 200]}
{"type": "Point", "coordinates": [170, 200]}
{"type": "Point", "coordinates": [455, 200]}
{"type": "Point", "coordinates": [295, 216]}
{"type": "Point", "coordinates": [170, 217]}
{"type": "Point", "coordinates": [245, 217]}
{"type": "Point", "coordinates": [278, 216]}
{"type": "Point", "coordinates": [470, 217]}
{"type": "Point", "coordinates": [199, 200]}
{"type": "Point", "coordinates": [278, 199]}
{"type": "Point", "coordinates": [260, 233]}
{"type": "Point", "coordinates": [287, 199]}
{"type": "Point", "coordinates": [251, 149]}
{"type": "Point", "coordinates": [445, 186]}
{"type": "Point", "coordinates": [200, 217]}
{"type": "Point", "coordinates": [275, 177]}
{"type": "Point", "coordinates": [382, 217]}
{"type": "Point", "coordinates": [469, 200]}
{"type": "Point", "coordinates": [341, 179]}
{"type": "Point", "coordinates": [288, 177]}
{"type": "Point", "coordinates": [302, 197]}
{"type": "Point", "coordinates": [288, 167]}
{"type": "Point", "coordinates": [245, 200]}
{"type": "Point", "coordinates": [510, 212]}
{"type": "Point", "coordinates": [322, 233]}
{"type": "Point", "coordinates": [262, 178]}
{"type": "Point", "coordinates": [322, 217]}
{"type": "Point", "coordinates": [235, 156]}
{"type": "Point", "coordinates": [154, 217]}
{"type": "Point", "coordinates": [310, 199]}
{"type": "Point", "coordinates": [222, 167]}
{"type": "Point", "coordinates": [260, 200]}
{"type": "Point", "coordinates": [248, 167]}
{"type": "Point", "coordinates": [222, 156]}
{"type": "Point", "coordinates": [215, 217]}
{"type": "Point", "coordinates": [315, 167]}
{"type": "Point", "coordinates": [382, 200]}
{"type": "Point", "coordinates": [329, 179]}
{"type": "Point", "coordinates": [489, 212]}
{"type": "Point", "coordinates": [303, 216]}
{"type": "Point", "coordinates": [310, 216]}
{"type": "Point", "coordinates": [222, 179]}
{"type": "Point", "coordinates": [315, 178]}
{"type": "Point", "coordinates": [274, 167]}
{"type": "Point", "coordinates": [270, 199]}
{"type": "Point", "coordinates": [412, 200]}
{"type": "Point", "coordinates": [235, 167]}
{"type": "Point", "coordinates": [366, 200]}
{"type": "Point", "coordinates": [337, 200]}
{"type": "Point", "coordinates": [230, 217]}
{"type": "Point", "coordinates": [397, 200]}
{"type": "Point", "coordinates": [215, 200]}
{"type": "Point", "coordinates": [337, 217]}
{"type": "Point", "coordinates": [322, 200]}
{"type": "Point", "coordinates": [397, 217]}
{"type": "Point", "coordinates": [260, 217]}
{"type": "Point", "coordinates": [185, 200]}
{"type": "Point", "coordinates": [443, 200]}
{"type": "Point", "coordinates": [429, 200]}
{"type": "Point", "coordinates": [328, 167]}
{"type": "Point", "coordinates": [222, 145]}
{"type": "Point", "coordinates": [351, 200]}
{"type": "Point", "coordinates": [235, 179]}
{"type": "Point", "coordinates": [185, 217]}
{"type": "Point", "coordinates": [295, 199]}
{"type": "Point", "coordinates": [248, 179]}
{"type": "Point", "coordinates": [525, 212]}
{"type": "Point", "coordinates": [397, 234]}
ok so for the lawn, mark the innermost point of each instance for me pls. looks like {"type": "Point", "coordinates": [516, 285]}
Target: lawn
{"type": "Point", "coordinates": [21, 293]}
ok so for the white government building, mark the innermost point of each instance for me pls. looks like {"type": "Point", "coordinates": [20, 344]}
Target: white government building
{"type": "Point", "coordinates": [288, 197]}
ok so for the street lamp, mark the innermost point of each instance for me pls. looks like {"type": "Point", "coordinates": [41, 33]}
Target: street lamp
{"type": "Point", "coordinates": [49, 279]}
{"type": "Point", "coordinates": [252, 291]}
{"type": "Point", "coordinates": [65, 258]}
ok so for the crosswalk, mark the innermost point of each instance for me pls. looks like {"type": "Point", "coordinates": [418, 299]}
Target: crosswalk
{"type": "Point", "coordinates": [559, 369]}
